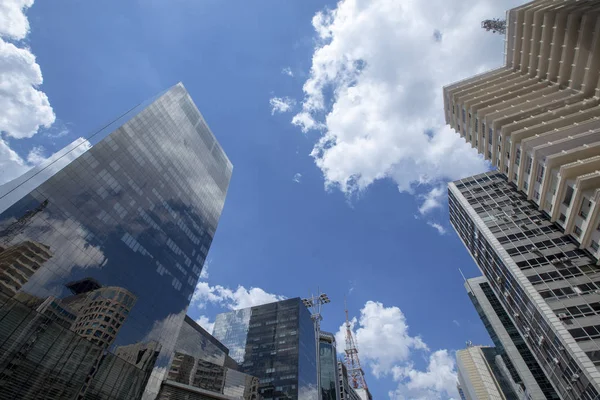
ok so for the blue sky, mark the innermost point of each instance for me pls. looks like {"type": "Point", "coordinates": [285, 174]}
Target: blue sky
{"type": "Point", "coordinates": [331, 114]}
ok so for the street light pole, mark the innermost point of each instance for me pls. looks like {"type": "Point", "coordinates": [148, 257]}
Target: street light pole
{"type": "Point", "coordinates": [314, 304]}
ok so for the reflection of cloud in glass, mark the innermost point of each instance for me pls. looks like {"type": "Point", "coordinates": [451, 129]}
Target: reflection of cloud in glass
{"type": "Point", "coordinates": [68, 236]}
{"type": "Point", "coordinates": [308, 392]}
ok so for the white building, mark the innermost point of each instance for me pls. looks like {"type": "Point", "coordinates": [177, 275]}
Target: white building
{"type": "Point", "coordinates": [537, 118]}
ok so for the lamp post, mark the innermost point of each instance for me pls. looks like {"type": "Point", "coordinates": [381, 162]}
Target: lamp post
{"type": "Point", "coordinates": [314, 304]}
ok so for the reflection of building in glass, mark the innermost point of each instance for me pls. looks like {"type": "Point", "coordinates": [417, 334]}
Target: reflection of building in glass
{"type": "Point", "coordinates": [276, 343]}
{"type": "Point", "coordinates": [329, 370]}
{"type": "Point", "coordinates": [199, 369]}
{"type": "Point", "coordinates": [101, 311]}
{"type": "Point", "coordinates": [513, 355]}
{"type": "Point", "coordinates": [135, 207]}
{"type": "Point", "coordinates": [479, 377]}
{"type": "Point", "coordinates": [18, 263]}
{"type": "Point", "coordinates": [346, 390]}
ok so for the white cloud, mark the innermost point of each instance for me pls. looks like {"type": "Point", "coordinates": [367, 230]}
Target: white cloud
{"type": "Point", "coordinates": [232, 299]}
{"type": "Point", "coordinates": [204, 273]}
{"type": "Point", "coordinates": [23, 108]}
{"type": "Point", "coordinates": [375, 89]}
{"type": "Point", "coordinates": [36, 155]}
{"type": "Point", "coordinates": [205, 322]}
{"type": "Point", "coordinates": [437, 381]}
{"type": "Point", "coordinates": [281, 104]}
{"type": "Point", "coordinates": [287, 71]}
{"type": "Point", "coordinates": [11, 164]}
{"type": "Point", "coordinates": [13, 22]}
{"type": "Point", "coordinates": [433, 199]}
{"type": "Point", "coordinates": [387, 347]}
{"type": "Point", "coordinates": [455, 322]}
{"type": "Point", "coordinates": [382, 336]}
{"type": "Point", "coordinates": [297, 177]}
{"type": "Point", "coordinates": [441, 230]}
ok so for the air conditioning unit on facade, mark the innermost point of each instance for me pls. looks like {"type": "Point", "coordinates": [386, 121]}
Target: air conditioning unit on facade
{"type": "Point", "coordinates": [555, 261]}
{"type": "Point", "coordinates": [516, 315]}
{"type": "Point", "coordinates": [562, 315]}
{"type": "Point", "coordinates": [574, 377]}
{"type": "Point", "coordinates": [556, 361]}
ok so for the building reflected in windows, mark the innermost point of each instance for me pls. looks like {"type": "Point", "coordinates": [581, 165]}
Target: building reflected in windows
{"type": "Point", "coordinates": [276, 343]}
{"type": "Point", "coordinates": [200, 368]}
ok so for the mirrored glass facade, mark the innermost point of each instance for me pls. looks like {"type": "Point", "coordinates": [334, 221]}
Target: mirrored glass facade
{"type": "Point", "coordinates": [100, 251]}
{"type": "Point", "coordinates": [276, 343]}
{"type": "Point", "coordinates": [328, 367]}
{"type": "Point", "coordinates": [199, 366]}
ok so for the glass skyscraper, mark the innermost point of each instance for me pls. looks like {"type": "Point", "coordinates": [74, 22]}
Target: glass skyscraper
{"type": "Point", "coordinates": [100, 251]}
{"type": "Point", "coordinates": [276, 343]}
{"type": "Point", "coordinates": [328, 367]}
{"type": "Point", "coordinates": [199, 369]}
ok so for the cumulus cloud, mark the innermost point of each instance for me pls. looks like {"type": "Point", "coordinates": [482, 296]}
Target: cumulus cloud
{"type": "Point", "coordinates": [287, 71]}
{"type": "Point", "coordinates": [36, 155]}
{"type": "Point", "coordinates": [205, 322]}
{"type": "Point", "coordinates": [441, 230]}
{"type": "Point", "coordinates": [281, 104]}
{"type": "Point", "coordinates": [433, 199]}
{"type": "Point", "coordinates": [388, 348]}
{"type": "Point", "coordinates": [23, 107]}
{"type": "Point", "coordinates": [437, 381]}
{"type": "Point", "coordinates": [13, 22]}
{"type": "Point", "coordinates": [297, 177]}
{"type": "Point", "coordinates": [375, 90]}
{"type": "Point", "coordinates": [232, 299]}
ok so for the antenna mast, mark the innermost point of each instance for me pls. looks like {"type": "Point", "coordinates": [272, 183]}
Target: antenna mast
{"type": "Point", "coordinates": [356, 375]}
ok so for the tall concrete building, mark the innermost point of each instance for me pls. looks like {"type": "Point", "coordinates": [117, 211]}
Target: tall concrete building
{"type": "Point", "coordinates": [537, 118]}
{"type": "Point", "coordinates": [102, 246]}
{"type": "Point", "coordinates": [546, 284]}
{"type": "Point", "coordinates": [276, 343]}
{"type": "Point", "coordinates": [532, 226]}
{"type": "Point", "coordinates": [479, 377]}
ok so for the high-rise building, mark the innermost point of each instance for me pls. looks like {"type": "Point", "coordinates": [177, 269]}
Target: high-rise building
{"type": "Point", "coordinates": [199, 369]}
{"type": "Point", "coordinates": [346, 390]}
{"type": "Point", "coordinates": [479, 377]}
{"type": "Point", "coordinates": [548, 286]}
{"type": "Point", "coordinates": [276, 343]}
{"type": "Point", "coordinates": [104, 244]}
{"type": "Point", "coordinates": [513, 357]}
{"type": "Point", "coordinates": [328, 367]}
{"type": "Point", "coordinates": [537, 118]}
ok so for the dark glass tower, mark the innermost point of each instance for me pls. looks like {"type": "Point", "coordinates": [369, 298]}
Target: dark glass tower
{"type": "Point", "coordinates": [101, 248]}
{"type": "Point", "coordinates": [546, 284]}
{"type": "Point", "coordinates": [199, 369]}
{"type": "Point", "coordinates": [329, 371]}
{"type": "Point", "coordinates": [276, 343]}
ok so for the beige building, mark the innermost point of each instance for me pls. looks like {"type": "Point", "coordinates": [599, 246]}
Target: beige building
{"type": "Point", "coordinates": [537, 118]}
{"type": "Point", "coordinates": [476, 376]}
{"type": "Point", "coordinates": [18, 263]}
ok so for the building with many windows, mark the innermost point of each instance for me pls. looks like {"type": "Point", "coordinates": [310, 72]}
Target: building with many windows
{"type": "Point", "coordinates": [537, 118]}
{"type": "Point", "coordinates": [102, 246]}
{"type": "Point", "coordinates": [199, 369]}
{"type": "Point", "coordinates": [546, 284]}
{"type": "Point", "coordinates": [276, 343]}
{"type": "Point", "coordinates": [513, 357]}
